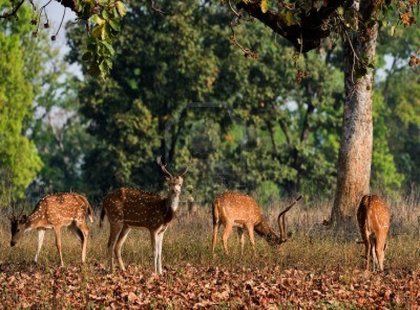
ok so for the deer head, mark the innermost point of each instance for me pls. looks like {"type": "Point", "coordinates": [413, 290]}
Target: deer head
{"type": "Point", "coordinates": [269, 234]}
{"type": "Point", "coordinates": [174, 182]}
{"type": "Point", "coordinates": [17, 226]}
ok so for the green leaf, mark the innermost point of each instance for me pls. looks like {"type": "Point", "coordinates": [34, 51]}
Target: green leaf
{"type": "Point", "coordinates": [120, 8]}
{"type": "Point", "coordinates": [98, 32]}
{"type": "Point", "coordinates": [105, 15]}
{"type": "Point", "coordinates": [114, 24]}
{"type": "Point", "coordinates": [108, 47]}
{"type": "Point", "coordinates": [97, 19]}
{"type": "Point", "coordinates": [109, 63]}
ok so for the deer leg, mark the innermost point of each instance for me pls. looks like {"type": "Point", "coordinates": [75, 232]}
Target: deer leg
{"type": "Point", "coordinates": [368, 249]}
{"type": "Point", "coordinates": [373, 250]}
{"type": "Point", "coordinates": [155, 246]}
{"type": "Point", "coordinates": [367, 254]}
{"type": "Point", "coordinates": [41, 234]}
{"type": "Point", "coordinates": [160, 244]}
{"type": "Point", "coordinates": [214, 241]}
{"type": "Point", "coordinates": [84, 234]}
{"type": "Point", "coordinates": [114, 233]}
{"type": "Point", "coordinates": [380, 255]}
{"type": "Point", "coordinates": [58, 244]}
{"type": "Point", "coordinates": [226, 234]}
{"type": "Point", "coordinates": [118, 246]}
{"type": "Point", "coordinates": [250, 229]}
{"type": "Point", "coordinates": [241, 233]}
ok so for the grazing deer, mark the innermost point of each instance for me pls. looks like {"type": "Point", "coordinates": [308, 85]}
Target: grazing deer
{"type": "Point", "coordinates": [235, 209]}
{"type": "Point", "coordinates": [127, 208]}
{"type": "Point", "coordinates": [374, 217]}
{"type": "Point", "coordinates": [54, 212]}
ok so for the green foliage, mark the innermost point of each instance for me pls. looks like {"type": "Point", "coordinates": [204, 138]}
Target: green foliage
{"type": "Point", "coordinates": [384, 172]}
{"type": "Point", "coordinates": [401, 91]}
{"type": "Point", "coordinates": [398, 117]}
{"type": "Point", "coordinates": [59, 133]}
{"type": "Point", "coordinates": [105, 26]}
{"type": "Point", "coordinates": [267, 192]}
{"type": "Point", "coordinates": [19, 66]}
{"type": "Point", "coordinates": [257, 126]}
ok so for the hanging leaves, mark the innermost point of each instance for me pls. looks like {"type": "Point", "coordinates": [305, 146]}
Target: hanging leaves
{"type": "Point", "coordinates": [264, 6]}
{"type": "Point", "coordinates": [104, 25]}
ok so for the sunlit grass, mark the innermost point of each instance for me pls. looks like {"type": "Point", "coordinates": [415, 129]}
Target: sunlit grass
{"type": "Point", "coordinates": [188, 241]}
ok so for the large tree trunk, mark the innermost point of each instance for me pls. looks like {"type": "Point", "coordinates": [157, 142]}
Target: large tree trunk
{"type": "Point", "coordinates": [355, 156]}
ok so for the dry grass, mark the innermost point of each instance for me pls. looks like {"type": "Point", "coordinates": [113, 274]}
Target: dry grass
{"type": "Point", "coordinates": [314, 269]}
{"type": "Point", "coordinates": [187, 241]}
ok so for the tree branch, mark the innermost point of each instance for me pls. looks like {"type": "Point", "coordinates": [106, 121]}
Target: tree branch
{"type": "Point", "coordinates": [71, 4]}
{"type": "Point", "coordinates": [305, 36]}
{"type": "Point", "coordinates": [12, 12]}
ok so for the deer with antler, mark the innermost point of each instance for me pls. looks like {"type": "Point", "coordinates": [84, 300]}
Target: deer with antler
{"type": "Point", "coordinates": [233, 209]}
{"type": "Point", "coordinates": [128, 208]}
{"type": "Point", "coordinates": [54, 212]}
{"type": "Point", "coordinates": [374, 218]}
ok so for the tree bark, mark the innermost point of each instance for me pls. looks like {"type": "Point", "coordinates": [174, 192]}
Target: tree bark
{"type": "Point", "coordinates": [355, 155]}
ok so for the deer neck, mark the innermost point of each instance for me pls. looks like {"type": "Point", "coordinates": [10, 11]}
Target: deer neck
{"type": "Point", "coordinates": [35, 220]}
{"type": "Point", "coordinates": [172, 200]}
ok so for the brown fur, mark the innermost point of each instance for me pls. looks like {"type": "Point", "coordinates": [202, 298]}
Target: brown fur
{"type": "Point", "coordinates": [232, 209]}
{"type": "Point", "coordinates": [135, 207]}
{"type": "Point", "coordinates": [54, 212]}
{"type": "Point", "coordinates": [128, 208]}
{"type": "Point", "coordinates": [374, 218]}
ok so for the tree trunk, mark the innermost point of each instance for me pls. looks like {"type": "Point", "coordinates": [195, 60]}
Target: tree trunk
{"type": "Point", "coordinates": [355, 155]}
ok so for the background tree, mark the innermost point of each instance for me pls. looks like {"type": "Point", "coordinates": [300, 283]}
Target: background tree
{"type": "Point", "coordinates": [59, 132]}
{"type": "Point", "coordinates": [306, 25]}
{"type": "Point", "coordinates": [20, 67]}
{"type": "Point", "coordinates": [268, 125]}
{"type": "Point", "coordinates": [399, 89]}
{"type": "Point", "coordinates": [239, 123]}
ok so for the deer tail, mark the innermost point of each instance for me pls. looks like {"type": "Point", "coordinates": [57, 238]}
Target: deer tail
{"type": "Point", "coordinates": [89, 210]}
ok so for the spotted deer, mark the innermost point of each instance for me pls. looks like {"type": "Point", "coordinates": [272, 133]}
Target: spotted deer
{"type": "Point", "coordinates": [374, 218]}
{"type": "Point", "coordinates": [235, 209]}
{"type": "Point", "coordinates": [54, 212]}
{"type": "Point", "coordinates": [128, 208]}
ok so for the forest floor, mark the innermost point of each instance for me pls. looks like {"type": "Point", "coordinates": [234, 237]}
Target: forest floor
{"type": "Point", "coordinates": [314, 269]}
{"type": "Point", "coordinates": [188, 286]}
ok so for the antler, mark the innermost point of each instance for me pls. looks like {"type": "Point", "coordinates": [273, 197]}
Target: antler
{"type": "Point", "coordinates": [163, 167]}
{"type": "Point", "coordinates": [183, 171]}
{"type": "Point", "coordinates": [282, 222]}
